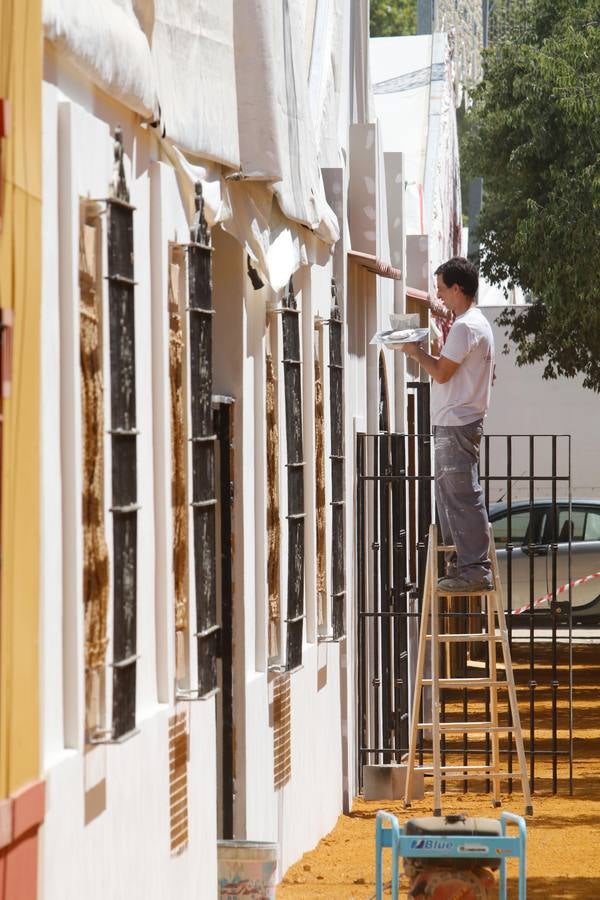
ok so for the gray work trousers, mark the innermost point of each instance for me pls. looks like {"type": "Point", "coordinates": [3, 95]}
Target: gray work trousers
{"type": "Point", "coordinates": [461, 509]}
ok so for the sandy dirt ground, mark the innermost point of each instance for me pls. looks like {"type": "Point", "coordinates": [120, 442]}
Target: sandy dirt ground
{"type": "Point", "coordinates": [563, 836]}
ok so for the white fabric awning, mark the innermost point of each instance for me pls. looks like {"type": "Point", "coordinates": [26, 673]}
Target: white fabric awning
{"type": "Point", "coordinates": [228, 83]}
{"type": "Point", "coordinates": [277, 246]}
{"type": "Point", "coordinates": [194, 65]}
{"type": "Point", "coordinates": [277, 136]}
{"type": "Point", "coordinates": [106, 41]}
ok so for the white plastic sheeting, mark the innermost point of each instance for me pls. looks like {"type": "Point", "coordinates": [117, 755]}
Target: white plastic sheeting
{"type": "Point", "coordinates": [106, 41]}
{"type": "Point", "coordinates": [277, 136]}
{"type": "Point", "coordinates": [228, 83]}
{"type": "Point", "coordinates": [194, 65]}
{"type": "Point", "coordinates": [248, 211]}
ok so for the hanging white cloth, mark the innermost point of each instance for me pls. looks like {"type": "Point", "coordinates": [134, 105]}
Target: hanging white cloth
{"type": "Point", "coordinates": [194, 66]}
{"type": "Point", "coordinates": [248, 211]}
{"type": "Point", "coordinates": [228, 84]}
{"type": "Point", "coordinates": [106, 41]}
{"type": "Point", "coordinates": [277, 136]}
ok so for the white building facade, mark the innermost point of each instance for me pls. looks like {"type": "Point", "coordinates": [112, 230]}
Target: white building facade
{"type": "Point", "coordinates": [216, 208]}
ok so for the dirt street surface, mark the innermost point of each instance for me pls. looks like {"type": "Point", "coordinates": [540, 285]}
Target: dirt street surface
{"type": "Point", "coordinates": [563, 836]}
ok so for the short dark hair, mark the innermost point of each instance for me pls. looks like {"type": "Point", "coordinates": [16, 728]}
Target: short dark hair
{"type": "Point", "coordinates": [462, 272]}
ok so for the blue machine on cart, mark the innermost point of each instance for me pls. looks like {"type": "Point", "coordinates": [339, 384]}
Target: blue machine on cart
{"type": "Point", "coordinates": [449, 848]}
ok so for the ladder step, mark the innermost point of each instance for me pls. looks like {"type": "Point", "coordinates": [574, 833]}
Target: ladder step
{"type": "Point", "coordinates": [466, 770]}
{"type": "Point", "coordinates": [461, 772]}
{"type": "Point", "coordinates": [470, 727]}
{"type": "Point", "coordinates": [445, 593]}
{"type": "Point", "coordinates": [457, 638]}
{"type": "Point", "coordinates": [481, 664]}
{"type": "Point", "coordinates": [466, 682]}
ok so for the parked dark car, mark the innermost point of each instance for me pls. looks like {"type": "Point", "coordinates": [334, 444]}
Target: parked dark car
{"type": "Point", "coordinates": [533, 531]}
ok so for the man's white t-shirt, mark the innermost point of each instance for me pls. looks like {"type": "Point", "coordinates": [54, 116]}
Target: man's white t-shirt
{"type": "Point", "coordinates": [465, 397]}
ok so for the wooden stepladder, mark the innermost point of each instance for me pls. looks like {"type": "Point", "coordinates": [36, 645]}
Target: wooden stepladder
{"type": "Point", "coordinates": [494, 634]}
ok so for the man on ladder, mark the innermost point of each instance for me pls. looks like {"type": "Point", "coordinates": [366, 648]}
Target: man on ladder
{"type": "Point", "coordinates": [462, 377]}
{"type": "Point", "coordinates": [460, 395]}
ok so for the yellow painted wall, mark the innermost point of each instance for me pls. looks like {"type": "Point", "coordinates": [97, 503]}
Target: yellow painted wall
{"type": "Point", "coordinates": [20, 286]}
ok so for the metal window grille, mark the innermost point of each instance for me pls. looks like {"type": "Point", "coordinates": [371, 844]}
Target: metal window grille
{"type": "Point", "coordinates": [292, 375]}
{"type": "Point", "coordinates": [121, 314]}
{"type": "Point", "coordinates": [203, 438]}
{"type": "Point", "coordinates": [338, 509]}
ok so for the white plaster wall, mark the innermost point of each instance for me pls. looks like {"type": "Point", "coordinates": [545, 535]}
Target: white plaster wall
{"type": "Point", "coordinates": [311, 802]}
{"type": "Point", "coordinates": [306, 808]}
{"type": "Point", "coordinates": [523, 403]}
{"type": "Point", "coordinates": [125, 851]}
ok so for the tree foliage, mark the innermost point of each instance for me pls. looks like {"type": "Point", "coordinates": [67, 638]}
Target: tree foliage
{"type": "Point", "coordinates": [533, 133]}
{"type": "Point", "coordinates": [392, 17]}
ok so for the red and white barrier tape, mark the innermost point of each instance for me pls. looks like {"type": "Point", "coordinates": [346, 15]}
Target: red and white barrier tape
{"type": "Point", "coordinates": [560, 590]}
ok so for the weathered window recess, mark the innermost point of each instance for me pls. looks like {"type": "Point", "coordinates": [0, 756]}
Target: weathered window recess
{"type": "Point", "coordinates": [110, 701]}
{"type": "Point", "coordinates": [273, 495]}
{"type": "Point", "coordinates": [292, 521]}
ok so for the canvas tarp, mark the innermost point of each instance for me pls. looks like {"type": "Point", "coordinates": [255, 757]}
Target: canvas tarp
{"type": "Point", "coordinates": [277, 137]}
{"type": "Point", "coordinates": [276, 246]}
{"type": "Point", "coordinates": [105, 40]}
{"type": "Point", "coordinates": [227, 83]}
{"type": "Point", "coordinates": [193, 56]}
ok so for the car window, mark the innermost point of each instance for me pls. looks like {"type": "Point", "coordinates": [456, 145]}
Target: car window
{"type": "Point", "coordinates": [592, 526]}
{"type": "Point", "coordinates": [519, 526]}
{"type": "Point", "coordinates": [575, 523]}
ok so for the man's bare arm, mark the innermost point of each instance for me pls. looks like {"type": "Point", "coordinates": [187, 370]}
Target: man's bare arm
{"type": "Point", "coordinates": [440, 368]}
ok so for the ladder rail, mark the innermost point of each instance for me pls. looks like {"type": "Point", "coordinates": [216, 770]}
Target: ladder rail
{"type": "Point", "coordinates": [435, 675]}
{"type": "Point", "coordinates": [418, 685]}
{"type": "Point", "coordinates": [510, 679]}
{"type": "Point", "coordinates": [495, 633]}
{"type": "Point", "coordinates": [491, 627]}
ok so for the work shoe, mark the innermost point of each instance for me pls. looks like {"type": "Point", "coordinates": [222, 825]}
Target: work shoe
{"type": "Point", "coordinates": [458, 585]}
